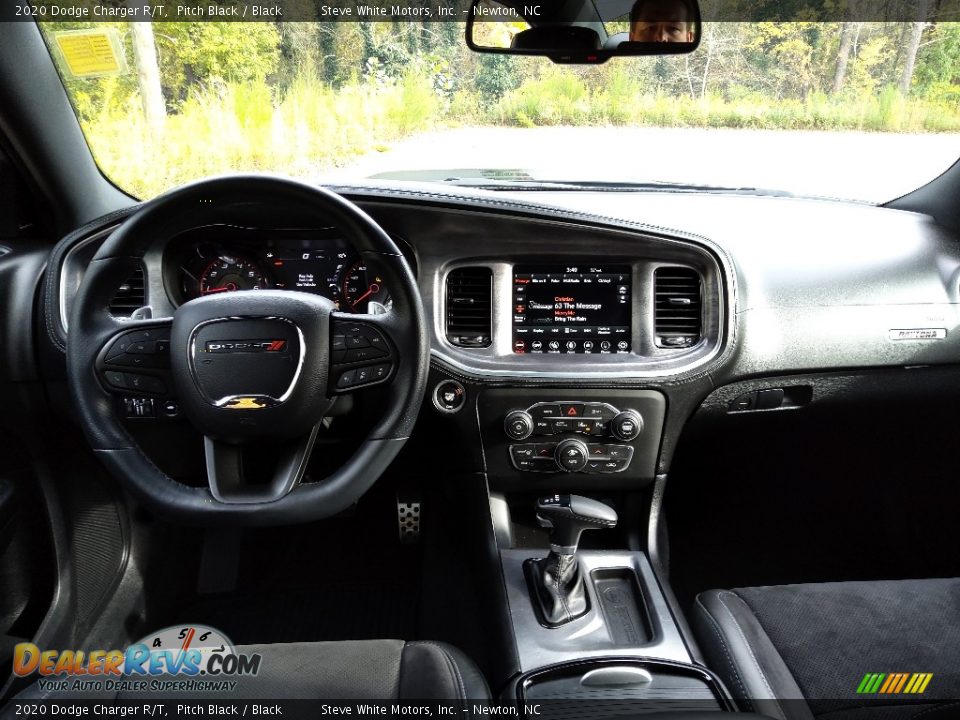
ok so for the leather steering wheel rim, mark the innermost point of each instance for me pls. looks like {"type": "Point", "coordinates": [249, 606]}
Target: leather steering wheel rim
{"type": "Point", "coordinates": [208, 202]}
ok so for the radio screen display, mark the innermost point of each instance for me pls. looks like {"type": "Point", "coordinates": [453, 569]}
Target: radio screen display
{"type": "Point", "coordinates": [571, 309]}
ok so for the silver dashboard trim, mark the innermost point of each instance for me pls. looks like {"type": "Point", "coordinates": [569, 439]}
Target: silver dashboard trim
{"type": "Point", "coordinates": [499, 359]}
{"type": "Point", "coordinates": [67, 264]}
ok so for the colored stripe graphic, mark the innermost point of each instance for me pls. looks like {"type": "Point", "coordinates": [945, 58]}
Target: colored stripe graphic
{"type": "Point", "coordinates": [903, 679]}
{"type": "Point", "coordinates": [894, 683]}
{"type": "Point", "coordinates": [870, 683]}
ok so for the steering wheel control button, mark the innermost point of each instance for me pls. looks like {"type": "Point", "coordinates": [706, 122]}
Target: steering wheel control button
{"type": "Point", "coordinates": [145, 383]}
{"type": "Point", "coordinates": [147, 347]}
{"type": "Point", "coordinates": [518, 424]}
{"type": "Point", "coordinates": [360, 355]}
{"type": "Point", "coordinates": [572, 455]}
{"type": "Point", "coordinates": [364, 347]}
{"type": "Point", "coordinates": [136, 407]}
{"type": "Point", "coordinates": [378, 345]}
{"type": "Point", "coordinates": [347, 379]}
{"type": "Point", "coordinates": [626, 425]}
{"type": "Point", "coordinates": [116, 379]}
{"type": "Point", "coordinates": [140, 348]}
{"type": "Point", "coordinates": [449, 396]}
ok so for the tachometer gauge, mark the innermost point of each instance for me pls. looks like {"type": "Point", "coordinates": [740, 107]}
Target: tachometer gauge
{"type": "Point", "coordinates": [363, 290]}
{"type": "Point", "coordinates": [228, 273]}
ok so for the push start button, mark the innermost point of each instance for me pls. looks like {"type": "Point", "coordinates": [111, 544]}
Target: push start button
{"type": "Point", "coordinates": [449, 396]}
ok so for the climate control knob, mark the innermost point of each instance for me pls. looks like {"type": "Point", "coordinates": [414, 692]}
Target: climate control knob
{"type": "Point", "coordinates": [626, 425]}
{"type": "Point", "coordinates": [518, 424]}
{"type": "Point", "coordinates": [571, 455]}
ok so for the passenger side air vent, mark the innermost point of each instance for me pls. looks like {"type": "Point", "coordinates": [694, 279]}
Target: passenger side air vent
{"type": "Point", "coordinates": [469, 292]}
{"type": "Point", "coordinates": [678, 307]}
{"type": "Point", "coordinates": [130, 295]}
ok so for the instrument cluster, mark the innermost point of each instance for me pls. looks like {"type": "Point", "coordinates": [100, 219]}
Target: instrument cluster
{"type": "Point", "coordinates": [231, 259]}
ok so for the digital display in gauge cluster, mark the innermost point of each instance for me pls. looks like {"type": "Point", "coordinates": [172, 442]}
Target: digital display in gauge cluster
{"type": "Point", "coordinates": [572, 308]}
{"type": "Point", "coordinates": [325, 267]}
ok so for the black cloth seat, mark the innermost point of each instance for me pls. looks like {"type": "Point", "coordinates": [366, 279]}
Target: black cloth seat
{"type": "Point", "coordinates": [802, 651]}
{"type": "Point", "coordinates": [346, 670]}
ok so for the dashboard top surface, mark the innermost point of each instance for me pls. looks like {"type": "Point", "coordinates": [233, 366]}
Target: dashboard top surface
{"type": "Point", "coordinates": [796, 284]}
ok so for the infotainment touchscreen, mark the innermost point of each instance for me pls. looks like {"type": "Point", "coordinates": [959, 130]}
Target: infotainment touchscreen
{"type": "Point", "coordinates": [573, 308]}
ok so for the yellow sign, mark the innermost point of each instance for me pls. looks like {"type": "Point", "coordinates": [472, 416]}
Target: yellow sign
{"type": "Point", "coordinates": [91, 53]}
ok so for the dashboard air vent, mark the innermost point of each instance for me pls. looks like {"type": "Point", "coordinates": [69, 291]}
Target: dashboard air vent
{"type": "Point", "coordinates": [130, 295]}
{"type": "Point", "coordinates": [678, 307]}
{"type": "Point", "coordinates": [469, 292]}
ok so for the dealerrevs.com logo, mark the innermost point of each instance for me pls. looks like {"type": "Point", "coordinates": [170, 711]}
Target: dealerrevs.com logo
{"type": "Point", "coordinates": [178, 658]}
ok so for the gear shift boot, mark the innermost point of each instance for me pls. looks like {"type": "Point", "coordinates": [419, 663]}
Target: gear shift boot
{"type": "Point", "coordinates": [558, 588]}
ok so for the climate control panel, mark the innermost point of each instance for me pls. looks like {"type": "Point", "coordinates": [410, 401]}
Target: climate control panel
{"type": "Point", "coordinates": [551, 419]}
{"type": "Point", "coordinates": [570, 437]}
{"type": "Point", "coordinates": [571, 456]}
{"type": "Point", "coordinates": [596, 419]}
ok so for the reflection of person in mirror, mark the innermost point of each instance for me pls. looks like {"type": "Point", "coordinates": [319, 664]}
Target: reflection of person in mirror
{"type": "Point", "coordinates": [662, 21]}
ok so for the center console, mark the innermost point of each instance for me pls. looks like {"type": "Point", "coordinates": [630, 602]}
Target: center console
{"type": "Point", "coordinates": [591, 627]}
{"type": "Point", "coordinates": [594, 632]}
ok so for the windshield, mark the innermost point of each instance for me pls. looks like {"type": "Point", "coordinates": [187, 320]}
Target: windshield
{"type": "Point", "coordinates": [858, 110]}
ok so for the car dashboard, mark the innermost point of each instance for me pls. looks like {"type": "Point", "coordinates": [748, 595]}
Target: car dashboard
{"type": "Point", "coordinates": [674, 292]}
{"type": "Point", "coordinates": [574, 338]}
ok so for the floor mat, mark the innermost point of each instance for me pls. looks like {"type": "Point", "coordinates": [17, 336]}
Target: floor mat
{"type": "Point", "coordinates": [813, 496]}
{"type": "Point", "coordinates": [344, 578]}
{"type": "Point", "coordinates": [310, 614]}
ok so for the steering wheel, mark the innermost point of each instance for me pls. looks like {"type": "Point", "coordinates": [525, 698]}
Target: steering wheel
{"type": "Point", "coordinates": [246, 367]}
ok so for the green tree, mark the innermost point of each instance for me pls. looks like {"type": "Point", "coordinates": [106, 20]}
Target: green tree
{"type": "Point", "coordinates": [938, 62]}
{"type": "Point", "coordinates": [208, 51]}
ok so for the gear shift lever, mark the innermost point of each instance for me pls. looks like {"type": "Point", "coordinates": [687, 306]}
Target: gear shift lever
{"type": "Point", "coordinates": [557, 579]}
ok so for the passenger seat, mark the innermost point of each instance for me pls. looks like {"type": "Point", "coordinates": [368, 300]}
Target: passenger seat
{"type": "Point", "coordinates": [805, 651]}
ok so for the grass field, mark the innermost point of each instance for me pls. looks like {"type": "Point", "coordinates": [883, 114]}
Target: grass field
{"type": "Point", "coordinates": [310, 127]}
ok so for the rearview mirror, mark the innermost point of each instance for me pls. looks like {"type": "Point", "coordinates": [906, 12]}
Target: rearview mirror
{"type": "Point", "coordinates": [584, 31]}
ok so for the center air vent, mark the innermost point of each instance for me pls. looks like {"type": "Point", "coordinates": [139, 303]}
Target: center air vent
{"type": "Point", "coordinates": [678, 307]}
{"type": "Point", "coordinates": [469, 290]}
{"type": "Point", "coordinates": [130, 295]}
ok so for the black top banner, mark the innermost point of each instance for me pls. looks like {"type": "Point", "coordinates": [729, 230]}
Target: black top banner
{"type": "Point", "coordinates": [431, 11]}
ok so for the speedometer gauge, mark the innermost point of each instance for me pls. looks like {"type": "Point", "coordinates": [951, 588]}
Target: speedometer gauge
{"type": "Point", "coordinates": [228, 273]}
{"type": "Point", "coordinates": [363, 290]}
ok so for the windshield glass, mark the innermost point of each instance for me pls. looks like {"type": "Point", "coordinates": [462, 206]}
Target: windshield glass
{"type": "Point", "coordinates": [857, 110]}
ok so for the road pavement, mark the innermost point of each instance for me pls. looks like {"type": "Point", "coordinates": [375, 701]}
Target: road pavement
{"type": "Point", "coordinates": [864, 166]}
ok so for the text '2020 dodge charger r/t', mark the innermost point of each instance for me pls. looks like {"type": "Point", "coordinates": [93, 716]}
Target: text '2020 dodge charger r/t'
{"type": "Point", "coordinates": [597, 359]}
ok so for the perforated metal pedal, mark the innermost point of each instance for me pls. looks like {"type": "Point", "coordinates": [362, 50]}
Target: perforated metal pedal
{"type": "Point", "coordinates": [408, 520]}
